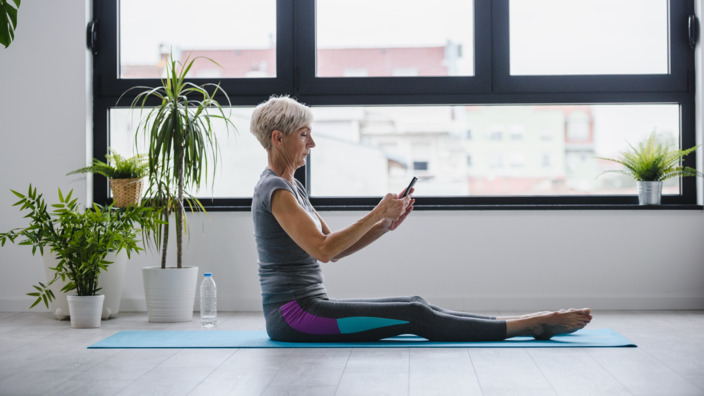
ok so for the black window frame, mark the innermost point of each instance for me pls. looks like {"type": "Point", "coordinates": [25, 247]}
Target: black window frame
{"type": "Point", "coordinates": [490, 84]}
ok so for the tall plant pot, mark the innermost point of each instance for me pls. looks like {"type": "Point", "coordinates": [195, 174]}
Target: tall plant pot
{"type": "Point", "coordinates": [170, 293]}
{"type": "Point", "coordinates": [649, 192]}
{"type": "Point", "coordinates": [85, 311]}
{"type": "Point", "coordinates": [110, 283]}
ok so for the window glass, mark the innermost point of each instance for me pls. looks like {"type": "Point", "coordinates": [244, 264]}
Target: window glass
{"type": "Point", "coordinates": [562, 37]}
{"type": "Point", "coordinates": [394, 38]}
{"type": "Point", "coordinates": [240, 35]}
{"type": "Point", "coordinates": [369, 151]}
{"type": "Point", "coordinates": [241, 160]}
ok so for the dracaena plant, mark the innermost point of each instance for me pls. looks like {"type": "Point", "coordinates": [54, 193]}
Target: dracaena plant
{"type": "Point", "coordinates": [80, 239]}
{"type": "Point", "coordinates": [179, 133]}
{"type": "Point", "coordinates": [652, 160]}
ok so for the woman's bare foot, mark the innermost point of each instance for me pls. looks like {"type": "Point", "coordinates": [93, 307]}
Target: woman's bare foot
{"type": "Point", "coordinates": [544, 325]}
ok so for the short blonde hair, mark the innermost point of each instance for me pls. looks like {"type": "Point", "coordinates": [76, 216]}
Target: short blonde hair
{"type": "Point", "coordinates": [278, 113]}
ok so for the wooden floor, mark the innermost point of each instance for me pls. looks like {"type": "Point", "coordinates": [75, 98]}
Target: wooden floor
{"type": "Point", "coordinates": [43, 356]}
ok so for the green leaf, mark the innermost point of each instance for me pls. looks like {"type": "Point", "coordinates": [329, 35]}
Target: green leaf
{"type": "Point", "coordinates": [37, 301]}
{"type": "Point", "coordinates": [8, 22]}
{"type": "Point", "coordinates": [18, 194]}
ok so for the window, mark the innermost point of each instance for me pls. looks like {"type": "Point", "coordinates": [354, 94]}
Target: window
{"type": "Point", "coordinates": [502, 103]}
{"type": "Point", "coordinates": [399, 38]}
{"type": "Point", "coordinates": [568, 37]}
{"type": "Point", "coordinates": [244, 43]}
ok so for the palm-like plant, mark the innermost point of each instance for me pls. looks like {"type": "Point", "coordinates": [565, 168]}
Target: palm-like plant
{"type": "Point", "coordinates": [653, 161]}
{"type": "Point", "coordinates": [180, 137]}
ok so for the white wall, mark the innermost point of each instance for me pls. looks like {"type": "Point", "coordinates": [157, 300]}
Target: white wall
{"type": "Point", "coordinates": [474, 260]}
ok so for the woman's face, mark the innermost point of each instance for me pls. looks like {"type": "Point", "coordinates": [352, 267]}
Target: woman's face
{"type": "Point", "coordinates": [297, 146]}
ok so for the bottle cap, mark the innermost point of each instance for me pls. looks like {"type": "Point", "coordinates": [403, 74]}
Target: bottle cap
{"type": "Point", "coordinates": [208, 274]}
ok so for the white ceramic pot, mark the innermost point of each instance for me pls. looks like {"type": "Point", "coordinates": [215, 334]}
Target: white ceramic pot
{"type": "Point", "coordinates": [649, 192]}
{"type": "Point", "coordinates": [170, 293]}
{"type": "Point", "coordinates": [59, 306]}
{"type": "Point", "coordinates": [110, 283]}
{"type": "Point", "coordinates": [85, 311]}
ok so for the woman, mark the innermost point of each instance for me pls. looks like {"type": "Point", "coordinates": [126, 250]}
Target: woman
{"type": "Point", "coordinates": [292, 239]}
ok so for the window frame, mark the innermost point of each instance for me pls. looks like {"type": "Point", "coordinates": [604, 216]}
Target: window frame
{"type": "Point", "coordinates": [491, 84]}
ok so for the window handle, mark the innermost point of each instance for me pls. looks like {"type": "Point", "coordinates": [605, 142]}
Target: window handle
{"type": "Point", "coordinates": [693, 30]}
{"type": "Point", "coordinates": [92, 36]}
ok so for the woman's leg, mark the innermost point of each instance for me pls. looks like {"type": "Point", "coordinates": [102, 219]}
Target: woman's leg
{"type": "Point", "coordinates": [545, 315]}
{"type": "Point", "coordinates": [420, 300]}
{"type": "Point", "coordinates": [541, 325]}
{"type": "Point", "coordinates": [323, 320]}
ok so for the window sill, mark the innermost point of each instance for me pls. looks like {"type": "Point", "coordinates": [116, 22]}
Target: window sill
{"type": "Point", "coordinates": [244, 205]}
{"type": "Point", "coordinates": [522, 207]}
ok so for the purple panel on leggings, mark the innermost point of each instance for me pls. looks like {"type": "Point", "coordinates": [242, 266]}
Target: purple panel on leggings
{"type": "Point", "coordinates": [308, 323]}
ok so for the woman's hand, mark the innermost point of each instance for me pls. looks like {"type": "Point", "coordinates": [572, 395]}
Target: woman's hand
{"type": "Point", "coordinates": [391, 207]}
{"type": "Point", "coordinates": [392, 225]}
{"type": "Point", "coordinates": [400, 209]}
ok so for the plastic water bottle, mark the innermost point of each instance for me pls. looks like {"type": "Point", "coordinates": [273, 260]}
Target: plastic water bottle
{"type": "Point", "coordinates": [208, 301]}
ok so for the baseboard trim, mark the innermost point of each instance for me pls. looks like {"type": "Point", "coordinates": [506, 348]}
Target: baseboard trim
{"type": "Point", "coordinates": [468, 304]}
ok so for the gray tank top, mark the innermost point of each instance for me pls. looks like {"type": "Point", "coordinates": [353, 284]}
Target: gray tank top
{"type": "Point", "coordinates": [286, 272]}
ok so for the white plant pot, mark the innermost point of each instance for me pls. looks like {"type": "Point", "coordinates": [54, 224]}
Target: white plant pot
{"type": "Point", "coordinates": [170, 293]}
{"type": "Point", "coordinates": [59, 306]}
{"type": "Point", "coordinates": [110, 282]}
{"type": "Point", "coordinates": [85, 311]}
{"type": "Point", "coordinates": [649, 192]}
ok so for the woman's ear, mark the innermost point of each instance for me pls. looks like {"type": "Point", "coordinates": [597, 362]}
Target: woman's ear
{"type": "Point", "coordinates": [277, 137]}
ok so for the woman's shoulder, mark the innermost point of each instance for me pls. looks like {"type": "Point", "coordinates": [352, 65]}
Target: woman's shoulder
{"type": "Point", "coordinates": [270, 181]}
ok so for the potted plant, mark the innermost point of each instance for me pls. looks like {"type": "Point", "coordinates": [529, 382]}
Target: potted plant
{"type": "Point", "coordinates": [180, 135]}
{"type": "Point", "coordinates": [126, 177]}
{"type": "Point", "coordinates": [81, 242]}
{"type": "Point", "coordinates": [8, 21]}
{"type": "Point", "coordinates": [649, 164]}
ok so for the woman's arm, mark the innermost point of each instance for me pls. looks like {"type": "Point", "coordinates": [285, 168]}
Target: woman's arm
{"type": "Point", "coordinates": [326, 245]}
{"type": "Point", "coordinates": [375, 233]}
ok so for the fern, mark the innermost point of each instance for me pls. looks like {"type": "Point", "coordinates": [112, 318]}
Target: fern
{"type": "Point", "coordinates": [653, 161]}
{"type": "Point", "coordinates": [118, 167]}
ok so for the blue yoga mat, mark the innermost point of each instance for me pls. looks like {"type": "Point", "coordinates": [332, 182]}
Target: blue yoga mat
{"type": "Point", "coordinates": [259, 339]}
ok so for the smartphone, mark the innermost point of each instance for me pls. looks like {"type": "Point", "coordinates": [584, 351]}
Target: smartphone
{"type": "Point", "coordinates": [410, 186]}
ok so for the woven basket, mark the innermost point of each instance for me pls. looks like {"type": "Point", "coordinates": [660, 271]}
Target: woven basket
{"type": "Point", "coordinates": [126, 192]}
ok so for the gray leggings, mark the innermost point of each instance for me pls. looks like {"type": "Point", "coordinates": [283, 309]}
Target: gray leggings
{"type": "Point", "coordinates": [319, 319]}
